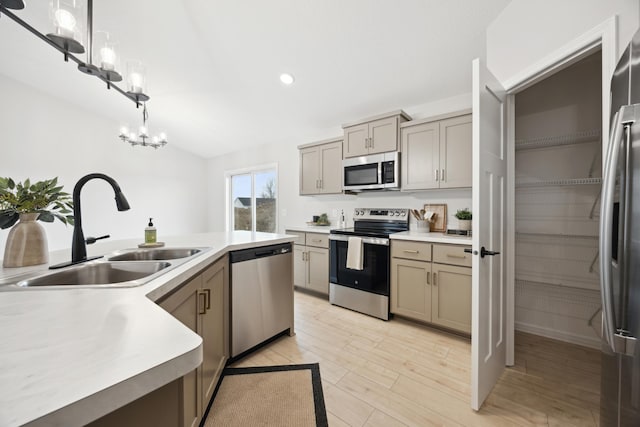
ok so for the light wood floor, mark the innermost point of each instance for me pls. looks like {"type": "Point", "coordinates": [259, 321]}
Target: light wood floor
{"type": "Point", "coordinates": [398, 373]}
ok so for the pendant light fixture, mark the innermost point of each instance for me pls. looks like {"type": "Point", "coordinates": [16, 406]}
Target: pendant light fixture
{"type": "Point", "coordinates": [67, 36]}
{"type": "Point", "coordinates": [142, 137]}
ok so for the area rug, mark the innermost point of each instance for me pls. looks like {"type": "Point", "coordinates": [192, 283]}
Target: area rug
{"type": "Point", "coordinates": [287, 395]}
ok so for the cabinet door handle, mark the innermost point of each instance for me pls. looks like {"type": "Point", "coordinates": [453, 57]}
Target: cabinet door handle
{"type": "Point", "coordinates": [367, 143]}
{"type": "Point", "coordinates": [202, 306]}
{"type": "Point", "coordinates": [316, 240]}
{"type": "Point", "coordinates": [428, 278]}
{"type": "Point", "coordinates": [411, 251]}
{"type": "Point", "coordinates": [371, 142]}
{"type": "Point", "coordinates": [436, 174]}
{"type": "Point", "coordinates": [320, 183]}
{"type": "Point", "coordinates": [434, 279]}
{"type": "Point", "coordinates": [456, 256]}
{"type": "Point", "coordinates": [442, 176]}
{"type": "Point", "coordinates": [208, 294]}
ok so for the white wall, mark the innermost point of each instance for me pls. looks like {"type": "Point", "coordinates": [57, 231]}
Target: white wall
{"type": "Point", "coordinates": [42, 137]}
{"type": "Point", "coordinates": [527, 31]}
{"type": "Point", "coordinates": [296, 210]}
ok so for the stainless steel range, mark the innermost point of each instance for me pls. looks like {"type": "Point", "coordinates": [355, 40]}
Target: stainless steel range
{"type": "Point", "coordinates": [359, 260]}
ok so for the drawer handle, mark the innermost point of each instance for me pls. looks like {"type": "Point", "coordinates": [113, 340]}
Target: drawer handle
{"type": "Point", "coordinates": [434, 280]}
{"type": "Point", "coordinates": [202, 307]}
{"type": "Point", "coordinates": [411, 252]}
{"type": "Point", "coordinates": [208, 294]}
{"type": "Point", "coordinates": [456, 256]}
{"type": "Point", "coordinates": [316, 240]}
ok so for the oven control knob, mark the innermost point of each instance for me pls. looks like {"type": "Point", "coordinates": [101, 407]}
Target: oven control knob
{"type": "Point", "coordinates": [361, 211]}
{"type": "Point", "coordinates": [356, 212]}
{"type": "Point", "coordinates": [404, 213]}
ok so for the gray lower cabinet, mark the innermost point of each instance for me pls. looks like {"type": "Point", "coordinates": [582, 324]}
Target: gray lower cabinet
{"type": "Point", "coordinates": [432, 283]}
{"type": "Point", "coordinates": [201, 304]}
{"type": "Point", "coordinates": [311, 261]}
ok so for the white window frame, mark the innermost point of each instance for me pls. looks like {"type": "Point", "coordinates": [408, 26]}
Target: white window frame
{"type": "Point", "coordinates": [252, 170]}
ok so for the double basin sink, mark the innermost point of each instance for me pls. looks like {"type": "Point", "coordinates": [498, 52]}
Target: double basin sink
{"type": "Point", "coordinates": [127, 268]}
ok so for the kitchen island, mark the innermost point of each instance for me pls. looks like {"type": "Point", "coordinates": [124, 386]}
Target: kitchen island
{"type": "Point", "coordinates": [70, 356]}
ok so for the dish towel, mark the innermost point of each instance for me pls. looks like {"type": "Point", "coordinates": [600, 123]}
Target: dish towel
{"type": "Point", "coordinates": [354, 253]}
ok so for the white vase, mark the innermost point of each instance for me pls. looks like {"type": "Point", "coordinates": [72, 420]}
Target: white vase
{"type": "Point", "coordinates": [26, 243]}
{"type": "Point", "coordinates": [464, 224]}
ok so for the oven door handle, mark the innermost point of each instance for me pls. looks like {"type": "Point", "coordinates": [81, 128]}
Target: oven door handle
{"type": "Point", "coordinates": [365, 240]}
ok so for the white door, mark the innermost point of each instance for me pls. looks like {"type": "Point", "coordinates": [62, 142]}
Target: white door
{"type": "Point", "coordinates": [488, 312]}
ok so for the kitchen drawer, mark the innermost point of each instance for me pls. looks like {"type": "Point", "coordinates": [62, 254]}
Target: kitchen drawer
{"type": "Point", "coordinates": [299, 236]}
{"type": "Point", "coordinates": [318, 240]}
{"type": "Point", "coordinates": [419, 251]}
{"type": "Point", "coordinates": [451, 254]}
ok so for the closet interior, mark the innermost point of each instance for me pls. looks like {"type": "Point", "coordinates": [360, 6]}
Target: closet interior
{"type": "Point", "coordinates": [558, 173]}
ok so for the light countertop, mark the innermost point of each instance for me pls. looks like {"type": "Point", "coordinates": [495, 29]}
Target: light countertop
{"type": "Point", "coordinates": [431, 237]}
{"type": "Point", "coordinates": [69, 356]}
{"type": "Point", "coordinates": [324, 229]}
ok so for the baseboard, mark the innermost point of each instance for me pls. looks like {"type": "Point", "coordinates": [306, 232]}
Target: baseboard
{"type": "Point", "coordinates": [558, 335]}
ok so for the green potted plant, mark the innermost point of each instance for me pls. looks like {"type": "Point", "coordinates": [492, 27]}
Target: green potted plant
{"type": "Point", "coordinates": [22, 204]}
{"type": "Point", "coordinates": [464, 218]}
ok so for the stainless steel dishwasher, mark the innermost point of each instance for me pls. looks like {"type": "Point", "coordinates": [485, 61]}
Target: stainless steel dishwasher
{"type": "Point", "coordinates": [261, 295]}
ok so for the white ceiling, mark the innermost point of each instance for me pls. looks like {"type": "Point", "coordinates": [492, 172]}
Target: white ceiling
{"type": "Point", "coordinates": [214, 66]}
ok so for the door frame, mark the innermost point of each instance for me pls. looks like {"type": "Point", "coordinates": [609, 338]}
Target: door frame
{"type": "Point", "coordinates": [602, 37]}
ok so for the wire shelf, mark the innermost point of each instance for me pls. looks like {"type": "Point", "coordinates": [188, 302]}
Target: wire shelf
{"type": "Point", "coordinates": [559, 182]}
{"type": "Point", "coordinates": [555, 141]}
{"type": "Point", "coordinates": [557, 236]}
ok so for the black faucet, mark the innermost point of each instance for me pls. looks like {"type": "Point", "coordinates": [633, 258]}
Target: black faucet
{"type": "Point", "coordinates": [78, 246]}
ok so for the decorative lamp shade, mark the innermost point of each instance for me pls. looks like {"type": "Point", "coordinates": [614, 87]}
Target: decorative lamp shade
{"type": "Point", "coordinates": [105, 56]}
{"type": "Point", "coordinates": [68, 18]}
{"type": "Point", "coordinates": [136, 78]}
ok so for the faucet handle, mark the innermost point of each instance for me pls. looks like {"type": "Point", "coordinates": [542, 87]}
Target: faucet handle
{"type": "Point", "coordinates": [91, 240]}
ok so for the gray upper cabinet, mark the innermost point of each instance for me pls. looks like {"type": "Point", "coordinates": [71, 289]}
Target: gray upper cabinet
{"type": "Point", "coordinates": [321, 167]}
{"type": "Point", "coordinates": [374, 135]}
{"type": "Point", "coordinates": [436, 153]}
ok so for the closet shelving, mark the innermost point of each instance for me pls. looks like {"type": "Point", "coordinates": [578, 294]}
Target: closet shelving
{"type": "Point", "coordinates": [558, 180]}
{"type": "Point", "coordinates": [556, 141]}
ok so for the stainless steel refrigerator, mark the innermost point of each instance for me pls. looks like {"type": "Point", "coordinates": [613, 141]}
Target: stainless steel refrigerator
{"type": "Point", "coordinates": [620, 248]}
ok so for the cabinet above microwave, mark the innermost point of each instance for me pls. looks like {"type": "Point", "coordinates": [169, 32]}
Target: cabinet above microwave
{"type": "Point", "coordinates": [379, 134]}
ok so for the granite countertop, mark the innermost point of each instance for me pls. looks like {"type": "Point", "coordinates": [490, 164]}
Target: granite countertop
{"type": "Point", "coordinates": [70, 356]}
{"type": "Point", "coordinates": [431, 237]}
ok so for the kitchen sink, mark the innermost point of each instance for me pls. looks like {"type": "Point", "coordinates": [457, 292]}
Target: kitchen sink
{"type": "Point", "coordinates": [108, 274]}
{"type": "Point", "coordinates": [155, 254]}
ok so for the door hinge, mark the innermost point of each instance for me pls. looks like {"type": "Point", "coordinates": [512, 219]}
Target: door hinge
{"type": "Point", "coordinates": [624, 344]}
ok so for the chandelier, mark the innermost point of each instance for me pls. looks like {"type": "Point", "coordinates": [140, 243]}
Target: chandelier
{"type": "Point", "coordinates": [66, 36]}
{"type": "Point", "coordinates": [142, 137]}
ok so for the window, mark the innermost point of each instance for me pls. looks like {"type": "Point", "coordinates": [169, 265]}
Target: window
{"type": "Point", "coordinates": [253, 200]}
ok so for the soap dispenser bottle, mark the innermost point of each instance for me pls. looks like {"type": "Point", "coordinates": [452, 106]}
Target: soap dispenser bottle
{"type": "Point", "coordinates": [150, 233]}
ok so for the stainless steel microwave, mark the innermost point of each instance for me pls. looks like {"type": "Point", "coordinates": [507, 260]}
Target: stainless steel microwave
{"type": "Point", "coordinates": [373, 172]}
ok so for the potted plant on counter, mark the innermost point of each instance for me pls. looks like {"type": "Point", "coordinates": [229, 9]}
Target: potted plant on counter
{"type": "Point", "coordinates": [464, 219]}
{"type": "Point", "coordinates": [22, 204]}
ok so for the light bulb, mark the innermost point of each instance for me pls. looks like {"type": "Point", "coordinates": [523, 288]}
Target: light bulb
{"type": "Point", "coordinates": [124, 131]}
{"type": "Point", "coordinates": [65, 23]}
{"type": "Point", "coordinates": [163, 137]}
{"type": "Point", "coordinates": [155, 140]}
{"type": "Point", "coordinates": [143, 131]}
{"type": "Point", "coordinates": [286, 78]}
{"type": "Point", "coordinates": [132, 137]}
{"type": "Point", "coordinates": [136, 81]}
{"type": "Point", "coordinates": [107, 58]}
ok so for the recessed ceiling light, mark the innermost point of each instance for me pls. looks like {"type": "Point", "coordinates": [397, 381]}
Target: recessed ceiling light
{"type": "Point", "coordinates": [286, 78]}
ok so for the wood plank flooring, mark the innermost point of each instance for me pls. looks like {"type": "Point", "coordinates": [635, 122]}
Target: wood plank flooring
{"type": "Point", "coordinates": [399, 373]}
